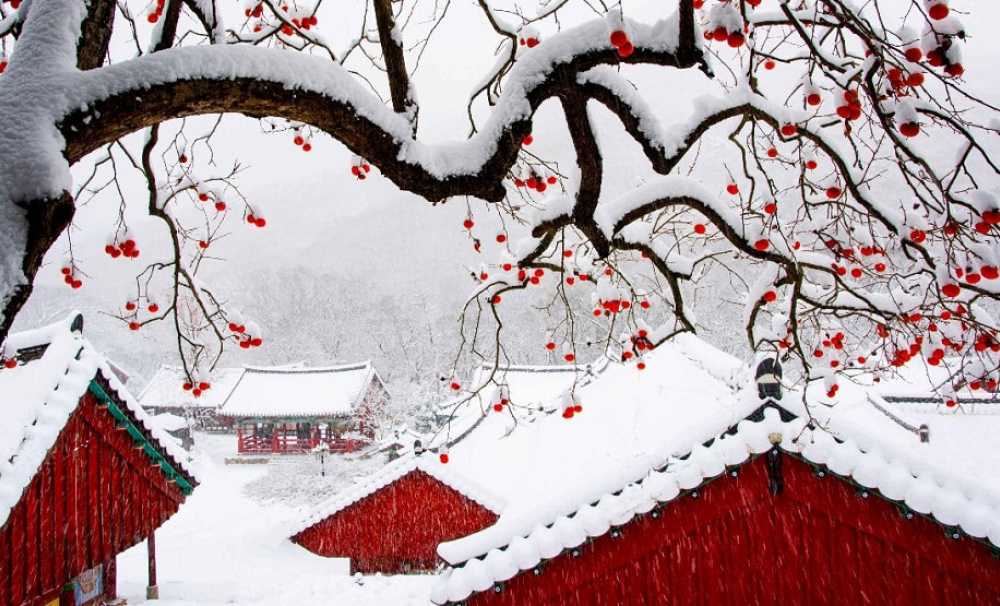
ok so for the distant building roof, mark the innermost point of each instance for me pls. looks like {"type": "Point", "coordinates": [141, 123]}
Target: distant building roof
{"type": "Point", "coordinates": [299, 392]}
{"type": "Point", "coordinates": [169, 422]}
{"type": "Point", "coordinates": [928, 385]}
{"type": "Point", "coordinates": [166, 389]}
{"type": "Point", "coordinates": [538, 385]}
{"type": "Point", "coordinates": [531, 389]}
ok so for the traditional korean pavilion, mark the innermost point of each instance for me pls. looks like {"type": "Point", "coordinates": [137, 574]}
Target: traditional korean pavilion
{"type": "Point", "coordinates": [295, 410]}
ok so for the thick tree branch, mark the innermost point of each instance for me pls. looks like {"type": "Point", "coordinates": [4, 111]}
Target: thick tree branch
{"type": "Point", "coordinates": [95, 34]}
{"type": "Point", "coordinates": [395, 61]}
{"type": "Point", "coordinates": [686, 36]}
{"type": "Point", "coordinates": [130, 110]}
{"type": "Point", "coordinates": [588, 158]}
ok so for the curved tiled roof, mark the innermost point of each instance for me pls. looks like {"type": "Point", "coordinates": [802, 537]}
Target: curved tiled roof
{"type": "Point", "coordinates": [165, 389]}
{"type": "Point", "coordinates": [299, 392]}
{"type": "Point", "coordinates": [896, 476]}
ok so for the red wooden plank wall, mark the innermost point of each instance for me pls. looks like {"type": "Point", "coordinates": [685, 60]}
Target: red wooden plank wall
{"type": "Point", "coordinates": [816, 543]}
{"type": "Point", "coordinates": [398, 528]}
{"type": "Point", "coordinates": [95, 495]}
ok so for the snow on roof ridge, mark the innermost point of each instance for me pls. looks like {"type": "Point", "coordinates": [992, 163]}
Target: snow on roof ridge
{"type": "Point", "coordinates": [388, 474]}
{"type": "Point", "coordinates": [721, 365]}
{"type": "Point", "coordinates": [976, 516]}
{"type": "Point", "coordinates": [72, 378]}
{"type": "Point", "coordinates": [168, 372]}
{"type": "Point", "coordinates": [537, 367]}
{"type": "Point", "coordinates": [295, 369]}
{"type": "Point", "coordinates": [355, 399]}
{"type": "Point", "coordinates": [41, 335]}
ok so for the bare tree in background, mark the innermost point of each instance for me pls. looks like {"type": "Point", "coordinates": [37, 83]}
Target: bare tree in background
{"type": "Point", "coordinates": [863, 251]}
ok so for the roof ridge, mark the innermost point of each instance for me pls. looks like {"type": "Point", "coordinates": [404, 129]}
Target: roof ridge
{"type": "Point", "coordinates": [40, 335]}
{"type": "Point", "coordinates": [308, 369]}
{"type": "Point", "coordinates": [538, 368]}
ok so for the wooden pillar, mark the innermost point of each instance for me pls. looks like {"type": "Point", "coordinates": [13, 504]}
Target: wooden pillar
{"type": "Point", "coordinates": [152, 591]}
{"type": "Point", "coordinates": [109, 580]}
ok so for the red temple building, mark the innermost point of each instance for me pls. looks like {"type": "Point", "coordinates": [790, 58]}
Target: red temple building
{"type": "Point", "coordinates": [84, 475]}
{"type": "Point", "coordinates": [740, 501]}
{"type": "Point", "coordinates": [294, 410]}
{"type": "Point", "coordinates": [392, 521]}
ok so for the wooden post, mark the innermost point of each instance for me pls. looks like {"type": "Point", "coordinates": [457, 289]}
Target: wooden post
{"type": "Point", "coordinates": [109, 572]}
{"type": "Point", "coordinates": [152, 591]}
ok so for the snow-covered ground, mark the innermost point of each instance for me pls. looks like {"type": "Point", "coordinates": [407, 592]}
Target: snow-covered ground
{"type": "Point", "coordinates": [225, 546]}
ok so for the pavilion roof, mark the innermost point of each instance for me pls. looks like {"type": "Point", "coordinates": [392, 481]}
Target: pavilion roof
{"type": "Point", "coordinates": [297, 393]}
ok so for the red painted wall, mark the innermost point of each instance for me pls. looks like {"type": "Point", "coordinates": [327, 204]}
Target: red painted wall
{"type": "Point", "coordinates": [94, 496]}
{"type": "Point", "coordinates": [398, 528]}
{"type": "Point", "coordinates": [816, 543]}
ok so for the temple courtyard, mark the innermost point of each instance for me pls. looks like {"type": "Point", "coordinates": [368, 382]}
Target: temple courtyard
{"type": "Point", "coordinates": [229, 545]}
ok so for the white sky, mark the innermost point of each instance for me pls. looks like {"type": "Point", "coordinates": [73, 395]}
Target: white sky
{"type": "Point", "coordinates": [319, 215]}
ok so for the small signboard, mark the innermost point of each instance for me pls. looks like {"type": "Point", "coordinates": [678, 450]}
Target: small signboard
{"type": "Point", "coordinates": [88, 586]}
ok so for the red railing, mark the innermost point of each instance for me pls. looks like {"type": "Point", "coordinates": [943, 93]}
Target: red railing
{"type": "Point", "coordinates": [288, 441]}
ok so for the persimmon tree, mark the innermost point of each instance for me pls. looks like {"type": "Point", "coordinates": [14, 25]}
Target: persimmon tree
{"type": "Point", "coordinates": [863, 248]}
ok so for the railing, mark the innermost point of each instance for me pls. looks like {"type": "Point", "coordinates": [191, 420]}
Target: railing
{"type": "Point", "coordinates": [289, 442]}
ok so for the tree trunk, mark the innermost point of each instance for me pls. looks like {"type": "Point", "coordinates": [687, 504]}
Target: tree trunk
{"type": "Point", "coordinates": [46, 219]}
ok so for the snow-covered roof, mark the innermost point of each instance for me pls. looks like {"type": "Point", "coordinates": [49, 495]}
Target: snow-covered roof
{"type": "Point", "coordinates": [538, 385]}
{"type": "Point", "coordinates": [393, 471]}
{"type": "Point", "coordinates": [921, 383]}
{"type": "Point", "coordinates": [402, 437]}
{"type": "Point", "coordinates": [631, 421]}
{"type": "Point", "coordinates": [858, 440]}
{"type": "Point", "coordinates": [532, 390]}
{"type": "Point", "coordinates": [166, 389]}
{"type": "Point", "coordinates": [299, 392]}
{"type": "Point", "coordinates": [169, 422]}
{"type": "Point", "coordinates": [41, 393]}
{"type": "Point", "coordinates": [627, 414]}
